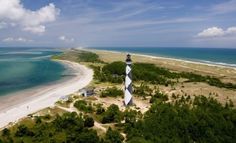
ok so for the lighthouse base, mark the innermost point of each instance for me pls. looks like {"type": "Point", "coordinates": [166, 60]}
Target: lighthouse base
{"type": "Point", "coordinates": [130, 103]}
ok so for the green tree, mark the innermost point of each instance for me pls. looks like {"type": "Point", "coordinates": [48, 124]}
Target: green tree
{"type": "Point", "coordinates": [100, 110]}
{"type": "Point", "coordinates": [83, 106]}
{"type": "Point", "coordinates": [22, 130]}
{"type": "Point", "coordinates": [131, 116]}
{"type": "Point", "coordinates": [113, 114]}
{"type": "Point", "coordinates": [6, 132]}
{"type": "Point", "coordinates": [139, 140]}
{"type": "Point", "coordinates": [86, 136]}
{"type": "Point", "coordinates": [205, 120]}
{"type": "Point", "coordinates": [113, 136]}
{"type": "Point", "coordinates": [88, 122]}
{"type": "Point", "coordinates": [69, 121]}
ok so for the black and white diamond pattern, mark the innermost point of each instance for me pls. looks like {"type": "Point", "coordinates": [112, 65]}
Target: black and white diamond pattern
{"type": "Point", "coordinates": [128, 84]}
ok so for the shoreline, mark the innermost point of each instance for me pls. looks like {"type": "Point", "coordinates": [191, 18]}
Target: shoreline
{"type": "Point", "coordinates": [201, 62]}
{"type": "Point", "coordinates": [20, 104]}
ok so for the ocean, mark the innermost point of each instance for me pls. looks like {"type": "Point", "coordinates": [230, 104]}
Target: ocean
{"type": "Point", "coordinates": [216, 56]}
{"type": "Point", "coordinates": [23, 68]}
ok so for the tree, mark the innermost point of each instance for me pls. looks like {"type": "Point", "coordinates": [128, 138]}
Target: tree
{"type": "Point", "coordinates": [69, 121]}
{"type": "Point", "coordinates": [83, 106]}
{"type": "Point", "coordinates": [6, 132]}
{"type": "Point", "coordinates": [88, 122]}
{"type": "Point", "coordinates": [113, 136]}
{"type": "Point", "coordinates": [112, 114]}
{"type": "Point", "coordinates": [87, 136]}
{"type": "Point", "coordinates": [100, 110]}
{"type": "Point", "coordinates": [131, 116]}
{"type": "Point", "coordinates": [22, 130]}
{"type": "Point", "coordinates": [203, 120]}
{"type": "Point", "coordinates": [139, 140]}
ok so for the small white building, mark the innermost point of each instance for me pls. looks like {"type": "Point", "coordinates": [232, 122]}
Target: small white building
{"type": "Point", "coordinates": [86, 92]}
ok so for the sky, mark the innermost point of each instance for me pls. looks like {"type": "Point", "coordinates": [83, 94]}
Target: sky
{"type": "Point", "coordinates": [118, 23]}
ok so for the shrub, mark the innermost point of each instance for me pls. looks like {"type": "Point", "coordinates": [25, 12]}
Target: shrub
{"type": "Point", "coordinates": [113, 114]}
{"type": "Point", "coordinates": [6, 132]}
{"type": "Point", "coordinates": [88, 122]}
{"type": "Point", "coordinates": [83, 106]}
{"type": "Point", "coordinates": [112, 92]}
{"type": "Point", "coordinates": [100, 110]}
{"type": "Point", "coordinates": [22, 130]}
{"type": "Point", "coordinates": [113, 136]}
{"type": "Point", "coordinates": [87, 136]}
{"type": "Point", "coordinates": [158, 96]}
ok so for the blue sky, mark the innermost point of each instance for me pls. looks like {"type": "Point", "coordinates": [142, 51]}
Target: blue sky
{"type": "Point", "coordinates": [118, 23]}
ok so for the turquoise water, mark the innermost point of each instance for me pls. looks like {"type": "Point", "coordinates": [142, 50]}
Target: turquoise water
{"type": "Point", "coordinates": [23, 68]}
{"type": "Point", "coordinates": [218, 56]}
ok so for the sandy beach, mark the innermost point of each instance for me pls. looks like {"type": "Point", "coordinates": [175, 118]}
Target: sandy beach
{"type": "Point", "coordinates": [18, 105]}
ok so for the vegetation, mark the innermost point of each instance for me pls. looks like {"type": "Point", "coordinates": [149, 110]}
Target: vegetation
{"type": "Point", "coordinates": [111, 92]}
{"type": "Point", "coordinates": [143, 90]}
{"type": "Point", "coordinates": [82, 105]}
{"type": "Point", "coordinates": [103, 74]}
{"type": "Point", "coordinates": [88, 57]}
{"type": "Point", "coordinates": [112, 114]}
{"type": "Point", "coordinates": [114, 72]}
{"type": "Point", "coordinates": [131, 116]}
{"type": "Point", "coordinates": [78, 56]}
{"type": "Point", "coordinates": [113, 136]}
{"type": "Point", "coordinates": [100, 109]}
{"type": "Point", "coordinates": [158, 97]}
{"type": "Point", "coordinates": [66, 128]}
{"type": "Point", "coordinates": [207, 79]}
{"type": "Point", "coordinates": [205, 120]}
{"type": "Point", "coordinates": [69, 128]}
{"type": "Point", "coordinates": [88, 122]}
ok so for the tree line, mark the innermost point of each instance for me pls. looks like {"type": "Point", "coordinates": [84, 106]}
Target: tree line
{"type": "Point", "coordinates": [115, 72]}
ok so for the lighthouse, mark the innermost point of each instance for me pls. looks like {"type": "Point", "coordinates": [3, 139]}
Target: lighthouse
{"type": "Point", "coordinates": [128, 81]}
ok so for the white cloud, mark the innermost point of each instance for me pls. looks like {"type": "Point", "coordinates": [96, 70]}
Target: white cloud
{"type": "Point", "coordinates": [19, 39]}
{"type": "Point", "coordinates": [66, 39]}
{"type": "Point", "coordinates": [13, 11]}
{"type": "Point", "coordinates": [35, 29]}
{"type": "Point", "coordinates": [231, 30]}
{"type": "Point", "coordinates": [217, 32]}
{"type": "Point", "coordinates": [211, 32]}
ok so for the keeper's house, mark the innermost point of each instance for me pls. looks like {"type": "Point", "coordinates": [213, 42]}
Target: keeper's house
{"type": "Point", "coordinates": [86, 92]}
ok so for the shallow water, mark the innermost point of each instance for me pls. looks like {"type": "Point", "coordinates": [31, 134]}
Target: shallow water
{"type": "Point", "coordinates": [23, 68]}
